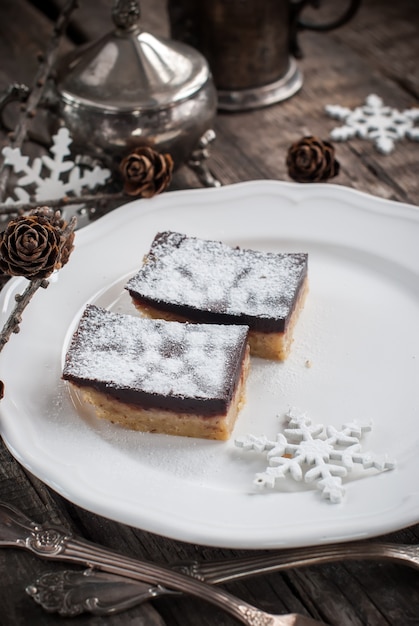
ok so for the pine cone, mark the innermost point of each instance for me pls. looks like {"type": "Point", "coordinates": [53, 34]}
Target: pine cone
{"type": "Point", "coordinates": [311, 160]}
{"type": "Point", "coordinates": [35, 245]}
{"type": "Point", "coordinates": [146, 172]}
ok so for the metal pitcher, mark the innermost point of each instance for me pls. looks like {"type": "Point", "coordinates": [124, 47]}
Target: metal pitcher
{"type": "Point", "coordinates": [250, 45]}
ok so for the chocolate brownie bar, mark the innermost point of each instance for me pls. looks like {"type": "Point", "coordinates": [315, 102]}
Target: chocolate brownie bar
{"type": "Point", "coordinates": [160, 376]}
{"type": "Point", "coordinates": [186, 278]}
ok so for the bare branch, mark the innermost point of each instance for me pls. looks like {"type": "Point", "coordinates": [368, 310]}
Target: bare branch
{"type": "Point", "coordinates": [18, 208]}
{"type": "Point", "coordinates": [18, 136]}
{"type": "Point", "coordinates": [15, 317]}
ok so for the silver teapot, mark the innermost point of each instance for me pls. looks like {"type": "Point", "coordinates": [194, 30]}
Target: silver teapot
{"type": "Point", "coordinates": [131, 88]}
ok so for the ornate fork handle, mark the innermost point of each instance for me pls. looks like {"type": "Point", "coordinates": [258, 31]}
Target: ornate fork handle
{"type": "Point", "coordinates": [52, 543]}
{"type": "Point", "coordinates": [49, 542]}
{"type": "Point", "coordinates": [71, 593]}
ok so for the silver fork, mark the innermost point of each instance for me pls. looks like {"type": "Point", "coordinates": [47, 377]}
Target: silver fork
{"type": "Point", "coordinates": [17, 530]}
{"type": "Point", "coordinates": [71, 593]}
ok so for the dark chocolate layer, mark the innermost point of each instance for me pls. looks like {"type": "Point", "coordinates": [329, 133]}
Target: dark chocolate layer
{"type": "Point", "coordinates": [154, 364]}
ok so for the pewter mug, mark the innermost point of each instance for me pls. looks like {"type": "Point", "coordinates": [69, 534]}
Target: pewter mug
{"type": "Point", "coordinates": [251, 45]}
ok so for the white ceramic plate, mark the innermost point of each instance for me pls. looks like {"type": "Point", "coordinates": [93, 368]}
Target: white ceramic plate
{"type": "Point", "coordinates": [359, 330]}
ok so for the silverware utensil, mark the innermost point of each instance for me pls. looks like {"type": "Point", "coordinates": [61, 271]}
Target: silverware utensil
{"type": "Point", "coordinates": [70, 593]}
{"type": "Point", "coordinates": [18, 531]}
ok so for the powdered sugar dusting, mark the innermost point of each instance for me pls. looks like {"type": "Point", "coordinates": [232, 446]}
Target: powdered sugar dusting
{"type": "Point", "coordinates": [154, 356]}
{"type": "Point", "coordinates": [209, 275]}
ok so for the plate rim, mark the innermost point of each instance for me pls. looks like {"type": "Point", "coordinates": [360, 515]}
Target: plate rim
{"type": "Point", "coordinates": [296, 193]}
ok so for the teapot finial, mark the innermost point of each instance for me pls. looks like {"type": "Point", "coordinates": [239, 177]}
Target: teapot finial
{"type": "Point", "coordinates": [126, 14]}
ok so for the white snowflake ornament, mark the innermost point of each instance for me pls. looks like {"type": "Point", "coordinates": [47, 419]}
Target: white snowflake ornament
{"type": "Point", "coordinates": [313, 453]}
{"type": "Point", "coordinates": [375, 121]}
{"type": "Point", "coordinates": [52, 177]}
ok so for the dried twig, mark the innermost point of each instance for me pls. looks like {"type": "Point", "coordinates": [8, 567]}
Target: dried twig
{"type": "Point", "coordinates": [17, 138]}
{"type": "Point", "coordinates": [27, 112]}
{"type": "Point", "coordinates": [18, 208]}
{"type": "Point", "coordinates": [12, 209]}
{"type": "Point", "coordinates": [15, 317]}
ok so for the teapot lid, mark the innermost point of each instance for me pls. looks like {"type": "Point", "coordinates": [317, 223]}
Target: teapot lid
{"type": "Point", "coordinates": [129, 68]}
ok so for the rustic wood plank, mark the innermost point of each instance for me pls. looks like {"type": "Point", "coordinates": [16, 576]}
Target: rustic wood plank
{"type": "Point", "coordinates": [376, 53]}
{"type": "Point", "coordinates": [19, 568]}
{"type": "Point", "coordinates": [254, 144]}
{"type": "Point", "coordinates": [385, 34]}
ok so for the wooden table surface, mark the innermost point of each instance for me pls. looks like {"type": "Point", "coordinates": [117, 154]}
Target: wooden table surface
{"type": "Point", "coordinates": [377, 52]}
